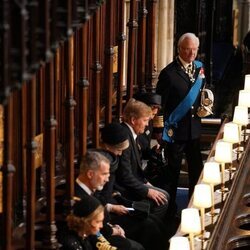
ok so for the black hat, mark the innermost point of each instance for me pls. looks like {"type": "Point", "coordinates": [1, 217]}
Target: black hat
{"type": "Point", "coordinates": [149, 98]}
{"type": "Point", "coordinates": [85, 206]}
{"type": "Point", "coordinates": [114, 133]}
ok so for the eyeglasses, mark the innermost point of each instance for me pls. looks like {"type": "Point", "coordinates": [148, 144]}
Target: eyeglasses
{"type": "Point", "coordinates": [189, 49]}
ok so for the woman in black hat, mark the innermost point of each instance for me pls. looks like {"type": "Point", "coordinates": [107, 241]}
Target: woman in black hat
{"type": "Point", "coordinates": [139, 225]}
{"type": "Point", "coordinates": [84, 226]}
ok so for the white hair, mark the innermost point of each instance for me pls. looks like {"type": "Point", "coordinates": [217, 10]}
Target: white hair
{"type": "Point", "coordinates": [191, 36]}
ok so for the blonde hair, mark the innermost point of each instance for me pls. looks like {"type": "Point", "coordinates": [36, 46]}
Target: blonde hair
{"type": "Point", "coordinates": [120, 146]}
{"type": "Point", "coordinates": [78, 224]}
{"type": "Point", "coordinates": [136, 109]}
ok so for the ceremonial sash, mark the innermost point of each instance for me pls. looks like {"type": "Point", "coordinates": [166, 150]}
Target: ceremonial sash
{"type": "Point", "coordinates": [183, 107]}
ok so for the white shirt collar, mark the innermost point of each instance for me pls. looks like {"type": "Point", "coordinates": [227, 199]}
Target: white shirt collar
{"type": "Point", "coordinates": [132, 131]}
{"type": "Point", "coordinates": [84, 187]}
{"type": "Point", "coordinates": [185, 64]}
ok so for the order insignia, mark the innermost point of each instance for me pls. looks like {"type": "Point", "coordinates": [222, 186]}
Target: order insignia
{"type": "Point", "coordinates": [170, 132]}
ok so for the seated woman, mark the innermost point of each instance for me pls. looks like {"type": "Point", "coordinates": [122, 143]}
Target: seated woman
{"type": "Point", "coordinates": [139, 225]}
{"type": "Point", "coordinates": [84, 226]}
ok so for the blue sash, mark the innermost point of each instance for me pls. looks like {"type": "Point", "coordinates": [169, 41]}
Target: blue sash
{"type": "Point", "coordinates": [183, 107]}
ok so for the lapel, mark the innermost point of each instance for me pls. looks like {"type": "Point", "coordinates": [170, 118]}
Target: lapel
{"type": "Point", "coordinates": [136, 150]}
{"type": "Point", "coordinates": [181, 72]}
{"type": "Point", "coordinates": [133, 146]}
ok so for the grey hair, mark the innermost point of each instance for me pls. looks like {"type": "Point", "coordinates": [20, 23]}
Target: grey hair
{"type": "Point", "coordinates": [191, 36]}
{"type": "Point", "coordinates": [92, 161]}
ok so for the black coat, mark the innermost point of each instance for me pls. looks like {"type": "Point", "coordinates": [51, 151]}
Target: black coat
{"type": "Point", "coordinates": [144, 140]}
{"type": "Point", "coordinates": [115, 240]}
{"type": "Point", "coordinates": [72, 241]}
{"type": "Point", "coordinates": [129, 175]}
{"type": "Point", "coordinates": [106, 230]}
{"type": "Point", "coordinates": [173, 85]}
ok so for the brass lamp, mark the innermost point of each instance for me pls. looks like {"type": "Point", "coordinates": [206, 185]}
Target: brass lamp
{"type": "Point", "coordinates": [211, 176]}
{"type": "Point", "coordinates": [190, 223]}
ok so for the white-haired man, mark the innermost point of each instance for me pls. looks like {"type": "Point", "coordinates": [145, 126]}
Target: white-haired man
{"type": "Point", "coordinates": [180, 85]}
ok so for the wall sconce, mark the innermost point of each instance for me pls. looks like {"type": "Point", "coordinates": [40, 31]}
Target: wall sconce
{"type": "Point", "coordinates": [190, 223]}
{"type": "Point", "coordinates": [202, 199]}
{"type": "Point", "coordinates": [179, 242]}
{"type": "Point", "coordinates": [223, 154]}
{"type": "Point", "coordinates": [211, 176]}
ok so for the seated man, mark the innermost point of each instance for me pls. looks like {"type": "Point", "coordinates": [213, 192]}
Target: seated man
{"type": "Point", "coordinates": [94, 174]}
{"type": "Point", "coordinates": [153, 100]}
{"type": "Point", "coordinates": [154, 163]}
{"type": "Point", "coordinates": [130, 177]}
{"type": "Point", "coordinates": [138, 224]}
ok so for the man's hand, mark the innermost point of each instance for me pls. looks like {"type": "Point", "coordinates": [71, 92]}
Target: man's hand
{"type": "Point", "coordinates": [119, 209]}
{"type": "Point", "coordinates": [157, 196]}
{"type": "Point", "coordinates": [117, 230]}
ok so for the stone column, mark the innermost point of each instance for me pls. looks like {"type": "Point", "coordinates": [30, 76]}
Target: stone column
{"type": "Point", "coordinates": [165, 33]}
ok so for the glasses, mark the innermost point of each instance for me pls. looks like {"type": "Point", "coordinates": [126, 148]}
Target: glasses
{"type": "Point", "coordinates": [189, 49]}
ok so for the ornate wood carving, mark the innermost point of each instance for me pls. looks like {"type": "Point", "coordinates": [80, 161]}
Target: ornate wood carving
{"type": "Point", "coordinates": [132, 25]}
{"type": "Point", "coordinates": [108, 60]}
{"type": "Point", "coordinates": [142, 28]}
{"type": "Point", "coordinates": [121, 52]}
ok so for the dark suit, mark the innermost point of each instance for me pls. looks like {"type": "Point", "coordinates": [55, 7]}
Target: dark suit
{"type": "Point", "coordinates": [115, 240]}
{"type": "Point", "coordinates": [173, 85]}
{"type": "Point", "coordinates": [131, 179]}
{"type": "Point", "coordinates": [149, 231]}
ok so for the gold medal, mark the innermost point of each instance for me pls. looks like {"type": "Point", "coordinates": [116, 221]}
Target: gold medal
{"type": "Point", "coordinates": [170, 132]}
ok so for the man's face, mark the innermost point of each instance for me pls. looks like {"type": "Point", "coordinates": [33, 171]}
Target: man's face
{"type": "Point", "coordinates": [139, 124]}
{"type": "Point", "coordinates": [188, 50]}
{"type": "Point", "coordinates": [99, 177]}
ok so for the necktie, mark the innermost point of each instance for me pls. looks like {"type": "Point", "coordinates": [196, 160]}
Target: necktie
{"type": "Point", "coordinates": [137, 144]}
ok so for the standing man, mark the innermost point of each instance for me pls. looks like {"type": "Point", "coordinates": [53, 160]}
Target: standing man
{"type": "Point", "coordinates": [180, 84]}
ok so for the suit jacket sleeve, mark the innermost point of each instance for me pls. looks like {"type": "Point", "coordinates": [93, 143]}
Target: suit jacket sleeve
{"type": "Point", "coordinates": [163, 89]}
{"type": "Point", "coordinates": [128, 178]}
{"type": "Point", "coordinates": [107, 229]}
